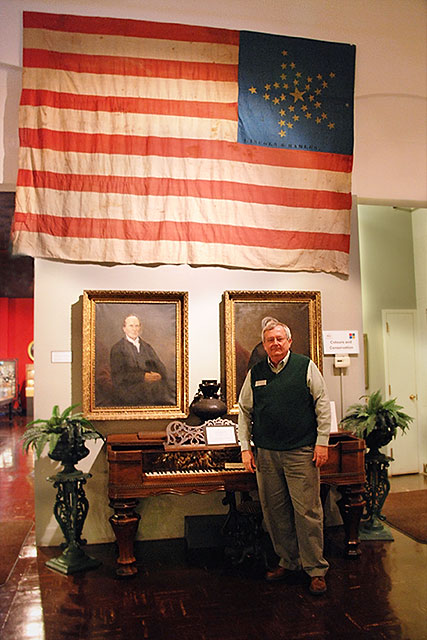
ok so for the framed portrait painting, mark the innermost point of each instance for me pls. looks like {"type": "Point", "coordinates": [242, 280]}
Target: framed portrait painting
{"type": "Point", "coordinates": [135, 354]}
{"type": "Point", "coordinates": [243, 312]}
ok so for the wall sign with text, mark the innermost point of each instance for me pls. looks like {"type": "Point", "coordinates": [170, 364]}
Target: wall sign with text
{"type": "Point", "coordinates": [340, 342]}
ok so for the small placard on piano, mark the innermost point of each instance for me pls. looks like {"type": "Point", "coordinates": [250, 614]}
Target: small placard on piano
{"type": "Point", "coordinates": [236, 466]}
{"type": "Point", "coordinates": [220, 435]}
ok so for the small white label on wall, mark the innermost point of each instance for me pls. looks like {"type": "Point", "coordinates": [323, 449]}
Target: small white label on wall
{"type": "Point", "coordinates": [61, 356]}
{"type": "Point", "coordinates": [340, 342]}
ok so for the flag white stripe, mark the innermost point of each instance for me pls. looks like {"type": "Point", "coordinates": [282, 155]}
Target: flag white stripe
{"type": "Point", "coordinates": [134, 124]}
{"type": "Point", "coordinates": [183, 169]}
{"type": "Point", "coordinates": [169, 252]}
{"type": "Point", "coordinates": [130, 86]}
{"type": "Point", "coordinates": [128, 46]}
{"type": "Point", "coordinates": [174, 208]}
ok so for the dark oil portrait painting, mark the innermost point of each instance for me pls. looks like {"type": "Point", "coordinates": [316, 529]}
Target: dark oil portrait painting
{"type": "Point", "coordinates": [135, 354]}
{"type": "Point", "coordinates": [243, 315]}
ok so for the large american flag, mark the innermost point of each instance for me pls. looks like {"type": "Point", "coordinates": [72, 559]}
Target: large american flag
{"type": "Point", "coordinates": [148, 143]}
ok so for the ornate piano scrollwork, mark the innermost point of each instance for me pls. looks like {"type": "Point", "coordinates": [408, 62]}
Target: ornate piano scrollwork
{"type": "Point", "coordinates": [219, 422]}
{"type": "Point", "coordinates": [179, 434]}
{"type": "Point", "coordinates": [186, 461]}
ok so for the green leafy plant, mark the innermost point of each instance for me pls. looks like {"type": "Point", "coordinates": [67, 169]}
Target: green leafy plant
{"type": "Point", "coordinates": [375, 420]}
{"type": "Point", "coordinates": [73, 430]}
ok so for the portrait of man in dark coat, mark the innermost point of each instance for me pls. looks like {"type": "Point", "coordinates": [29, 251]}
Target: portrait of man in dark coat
{"type": "Point", "coordinates": [138, 375]}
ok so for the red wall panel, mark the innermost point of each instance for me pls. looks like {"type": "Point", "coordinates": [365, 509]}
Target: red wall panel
{"type": "Point", "coordinates": [16, 332]}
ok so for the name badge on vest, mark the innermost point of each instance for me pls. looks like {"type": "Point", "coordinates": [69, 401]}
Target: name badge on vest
{"type": "Point", "coordinates": [260, 383]}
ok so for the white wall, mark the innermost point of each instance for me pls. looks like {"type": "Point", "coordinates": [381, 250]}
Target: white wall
{"type": "Point", "coordinates": [419, 229]}
{"type": "Point", "coordinates": [390, 165]}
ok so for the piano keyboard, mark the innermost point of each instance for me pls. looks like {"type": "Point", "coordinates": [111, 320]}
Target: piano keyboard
{"type": "Point", "coordinates": [188, 472]}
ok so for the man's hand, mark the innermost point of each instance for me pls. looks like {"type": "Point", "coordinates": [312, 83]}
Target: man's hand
{"type": "Point", "coordinates": [320, 455]}
{"type": "Point", "coordinates": [249, 461]}
{"type": "Point", "coordinates": [152, 376]}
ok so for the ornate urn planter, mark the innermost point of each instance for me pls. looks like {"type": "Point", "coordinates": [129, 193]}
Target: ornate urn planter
{"type": "Point", "coordinates": [378, 422]}
{"type": "Point", "coordinates": [66, 435]}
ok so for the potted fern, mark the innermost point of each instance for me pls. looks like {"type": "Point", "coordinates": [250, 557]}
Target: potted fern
{"type": "Point", "coordinates": [65, 433]}
{"type": "Point", "coordinates": [376, 420]}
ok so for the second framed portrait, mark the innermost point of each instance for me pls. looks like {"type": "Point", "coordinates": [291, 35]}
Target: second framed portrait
{"type": "Point", "coordinates": [243, 312]}
{"type": "Point", "coordinates": [135, 354]}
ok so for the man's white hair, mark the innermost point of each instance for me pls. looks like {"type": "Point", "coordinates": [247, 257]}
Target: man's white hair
{"type": "Point", "coordinates": [268, 323]}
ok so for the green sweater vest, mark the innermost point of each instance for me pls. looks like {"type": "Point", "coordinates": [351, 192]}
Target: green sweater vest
{"type": "Point", "coordinates": [283, 412]}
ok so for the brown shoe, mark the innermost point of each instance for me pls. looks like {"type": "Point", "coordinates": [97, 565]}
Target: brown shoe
{"type": "Point", "coordinates": [278, 573]}
{"type": "Point", "coordinates": [281, 573]}
{"type": "Point", "coordinates": [317, 585]}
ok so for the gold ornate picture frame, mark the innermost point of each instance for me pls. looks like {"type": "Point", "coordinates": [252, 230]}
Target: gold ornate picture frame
{"type": "Point", "coordinates": [144, 379]}
{"type": "Point", "coordinates": [243, 312]}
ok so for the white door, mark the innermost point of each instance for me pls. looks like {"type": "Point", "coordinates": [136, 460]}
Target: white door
{"type": "Point", "coordinates": [399, 327]}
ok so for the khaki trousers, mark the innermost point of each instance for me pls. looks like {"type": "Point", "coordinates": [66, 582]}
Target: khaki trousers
{"type": "Point", "coordinates": [289, 492]}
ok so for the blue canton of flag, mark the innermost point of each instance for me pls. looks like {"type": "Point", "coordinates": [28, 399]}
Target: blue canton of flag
{"type": "Point", "coordinates": [296, 93]}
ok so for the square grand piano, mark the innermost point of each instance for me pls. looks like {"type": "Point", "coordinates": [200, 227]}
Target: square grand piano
{"type": "Point", "coordinates": [183, 460]}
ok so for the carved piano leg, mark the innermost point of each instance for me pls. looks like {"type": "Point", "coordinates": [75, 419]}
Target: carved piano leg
{"type": "Point", "coordinates": [243, 528]}
{"type": "Point", "coordinates": [351, 507]}
{"type": "Point", "coordinates": [125, 524]}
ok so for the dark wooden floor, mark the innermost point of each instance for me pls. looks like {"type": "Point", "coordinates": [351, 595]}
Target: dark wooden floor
{"type": "Point", "coordinates": [181, 595]}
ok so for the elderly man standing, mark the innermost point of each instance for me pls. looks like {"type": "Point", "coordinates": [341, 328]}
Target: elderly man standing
{"type": "Point", "coordinates": [284, 408]}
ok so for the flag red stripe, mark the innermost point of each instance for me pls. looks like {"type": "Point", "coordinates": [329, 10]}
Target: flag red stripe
{"type": "Point", "coordinates": [212, 189]}
{"type": "Point", "coordinates": [113, 65]}
{"type": "Point", "coordinates": [182, 148]}
{"type": "Point", "coordinates": [118, 104]}
{"type": "Point", "coordinates": [180, 232]}
{"type": "Point", "coordinates": [130, 28]}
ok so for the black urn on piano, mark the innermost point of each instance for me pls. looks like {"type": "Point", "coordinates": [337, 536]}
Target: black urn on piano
{"type": "Point", "coordinates": [207, 403]}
